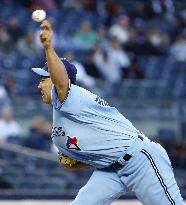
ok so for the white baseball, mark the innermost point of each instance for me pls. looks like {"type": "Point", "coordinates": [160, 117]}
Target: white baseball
{"type": "Point", "coordinates": [38, 15]}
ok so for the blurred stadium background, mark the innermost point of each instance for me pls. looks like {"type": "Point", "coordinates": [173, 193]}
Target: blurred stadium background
{"type": "Point", "coordinates": [47, 202]}
{"type": "Point", "coordinates": [132, 53]}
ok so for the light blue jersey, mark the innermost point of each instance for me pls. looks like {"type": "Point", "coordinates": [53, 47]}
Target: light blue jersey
{"type": "Point", "coordinates": [86, 128]}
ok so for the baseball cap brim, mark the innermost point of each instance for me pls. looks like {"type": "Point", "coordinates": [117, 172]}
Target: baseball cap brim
{"type": "Point", "coordinates": [41, 72]}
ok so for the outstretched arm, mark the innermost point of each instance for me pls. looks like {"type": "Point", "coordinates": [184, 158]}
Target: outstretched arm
{"type": "Point", "coordinates": [56, 68]}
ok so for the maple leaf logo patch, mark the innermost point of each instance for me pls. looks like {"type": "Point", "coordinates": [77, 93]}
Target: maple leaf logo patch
{"type": "Point", "coordinates": [72, 143]}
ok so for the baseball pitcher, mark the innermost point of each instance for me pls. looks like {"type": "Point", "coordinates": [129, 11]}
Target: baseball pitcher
{"type": "Point", "coordinates": [88, 132]}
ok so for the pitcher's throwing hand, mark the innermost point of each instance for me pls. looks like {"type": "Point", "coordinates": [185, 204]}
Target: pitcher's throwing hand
{"type": "Point", "coordinates": [46, 33]}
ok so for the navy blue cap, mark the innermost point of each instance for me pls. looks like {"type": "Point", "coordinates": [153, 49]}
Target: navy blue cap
{"type": "Point", "coordinates": [70, 68]}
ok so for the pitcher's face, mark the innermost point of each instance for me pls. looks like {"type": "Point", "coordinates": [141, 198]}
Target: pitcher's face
{"type": "Point", "coordinates": [45, 86]}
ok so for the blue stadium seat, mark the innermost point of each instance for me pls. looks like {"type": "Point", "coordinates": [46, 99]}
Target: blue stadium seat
{"type": "Point", "coordinates": [15, 139]}
{"type": "Point", "coordinates": [168, 138]}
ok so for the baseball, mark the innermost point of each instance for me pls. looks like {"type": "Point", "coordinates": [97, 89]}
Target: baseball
{"type": "Point", "coordinates": [38, 15]}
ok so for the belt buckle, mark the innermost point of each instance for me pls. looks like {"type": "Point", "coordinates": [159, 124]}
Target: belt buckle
{"type": "Point", "coordinates": [116, 166]}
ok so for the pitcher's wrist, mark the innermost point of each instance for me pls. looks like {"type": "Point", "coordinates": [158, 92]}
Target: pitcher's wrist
{"type": "Point", "coordinates": [48, 47]}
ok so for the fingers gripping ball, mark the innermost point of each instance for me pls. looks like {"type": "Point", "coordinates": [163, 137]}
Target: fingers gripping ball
{"type": "Point", "coordinates": [38, 15]}
{"type": "Point", "coordinates": [65, 160]}
{"type": "Point", "coordinates": [46, 34]}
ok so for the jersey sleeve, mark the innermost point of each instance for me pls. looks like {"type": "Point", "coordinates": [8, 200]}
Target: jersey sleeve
{"type": "Point", "coordinates": [56, 102]}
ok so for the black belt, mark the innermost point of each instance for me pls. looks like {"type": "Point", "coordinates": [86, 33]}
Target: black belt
{"type": "Point", "coordinates": [117, 165]}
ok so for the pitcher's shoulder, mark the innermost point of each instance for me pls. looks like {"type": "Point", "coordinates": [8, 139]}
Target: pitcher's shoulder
{"type": "Point", "coordinates": [77, 92]}
{"type": "Point", "coordinates": [78, 98]}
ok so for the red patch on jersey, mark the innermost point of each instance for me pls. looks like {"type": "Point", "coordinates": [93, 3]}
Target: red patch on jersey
{"type": "Point", "coordinates": [74, 140]}
{"type": "Point", "coordinates": [71, 143]}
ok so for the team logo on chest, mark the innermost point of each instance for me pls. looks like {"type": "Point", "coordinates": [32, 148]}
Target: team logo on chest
{"type": "Point", "coordinates": [71, 143]}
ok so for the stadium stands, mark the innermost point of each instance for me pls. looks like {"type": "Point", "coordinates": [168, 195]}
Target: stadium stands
{"type": "Point", "coordinates": [32, 171]}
